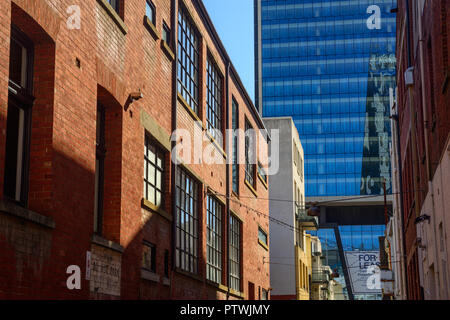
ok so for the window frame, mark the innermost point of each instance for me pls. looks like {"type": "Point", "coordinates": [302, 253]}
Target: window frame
{"type": "Point", "coordinates": [262, 173]}
{"type": "Point", "coordinates": [20, 97]}
{"type": "Point", "coordinates": [183, 251]}
{"type": "Point", "coordinates": [263, 242]}
{"type": "Point", "coordinates": [214, 98]}
{"type": "Point", "coordinates": [158, 151]}
{"type": "Point", "coordinates": [100, 155]}
{"type": "Point", "coordinates": [188, 33]}
{"type": "Point", "coordinates": [115, 4]}
{"type": "Point", "coordinates": [250, 168]}
{"type": "Point", "coordinates": [214, 239]}
{"type": "Point", "coordinates": [151, 5]}
{"type": "Point", "coordinates": [152, 267]}
{"type": "Point", "coordinates": [235, 252]}
{"type": "Point", "coordinates": [166, 30]}
{"type": "Point", "coordinates": [166, 263]}
{"type": "Point", "coordinates": [235, 152]}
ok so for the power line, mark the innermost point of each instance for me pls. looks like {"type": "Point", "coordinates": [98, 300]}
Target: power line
{"type": "Point", "coordinates": [279, 222]}
{"type": "Point", "coordinates": [333, 201]}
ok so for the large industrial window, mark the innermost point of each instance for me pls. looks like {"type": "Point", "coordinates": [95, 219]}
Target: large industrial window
{"type": "Point", "coordinates": [214, 240]}
{"type": "Point", "coordinates": [249, 154]}
{"type": "Point", "coordinates": [188, 61]}
{"type": "Point", "coordinates": [187, 205]}
{"type": "Point", "coordinates": [235, 253]}
{"type": "Point", "coordinates": [18, 121]}
{"type": "Point", "coordinates": [153, 172]}
{"type": "Point", "coordinates": [235, 166]}
{"type": "Point", "coordinates": [214, 99]}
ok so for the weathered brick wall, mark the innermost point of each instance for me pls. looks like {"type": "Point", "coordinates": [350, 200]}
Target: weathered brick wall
{"type": "Point", "coordinates": [434, 117]}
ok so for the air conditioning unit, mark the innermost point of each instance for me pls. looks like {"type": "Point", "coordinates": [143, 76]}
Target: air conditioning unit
{"type": "Point", "coordinates": [409, 77]}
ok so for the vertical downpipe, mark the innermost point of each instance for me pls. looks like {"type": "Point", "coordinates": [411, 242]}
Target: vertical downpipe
{"type": "Point", "coordinates": [174, 15]}
{"type": "Point", "coordinates": [229, 149]}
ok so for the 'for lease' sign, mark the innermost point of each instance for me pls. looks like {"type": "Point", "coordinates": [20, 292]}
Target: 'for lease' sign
{"type": "Point", "coordinates": [364, 271]}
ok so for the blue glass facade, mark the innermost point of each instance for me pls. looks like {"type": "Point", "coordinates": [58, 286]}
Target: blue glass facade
{"type": "Point", "coordinates": [353, 238]}
{"type": "Point", "coordinates": [331, 67]}
{"type": "Point", "coordinates": [321, 64]}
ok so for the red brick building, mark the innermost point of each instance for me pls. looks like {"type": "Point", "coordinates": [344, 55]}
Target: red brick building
{"type": "Point", "coordinates": [90, 93]}
{"type": "Point", "coordinates": [424, 123]}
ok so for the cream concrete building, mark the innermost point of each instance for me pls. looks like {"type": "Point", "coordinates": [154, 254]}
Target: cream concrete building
{"type": "Point", "coordinates": [290, 248]}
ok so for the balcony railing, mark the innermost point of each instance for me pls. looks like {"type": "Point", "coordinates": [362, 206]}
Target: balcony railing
{"type": "Point", "coordinates": [320, 276]}
{"type": "Point", "coordinates": [305, 221]}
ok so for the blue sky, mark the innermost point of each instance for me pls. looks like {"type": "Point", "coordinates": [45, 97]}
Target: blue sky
{"type": "Point", "coordinates": [233, 20]}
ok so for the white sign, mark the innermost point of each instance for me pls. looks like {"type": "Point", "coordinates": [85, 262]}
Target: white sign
{"type": "Point", "coordinates": [364, 271]}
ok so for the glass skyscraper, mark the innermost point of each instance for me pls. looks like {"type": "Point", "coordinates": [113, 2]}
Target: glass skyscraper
{"type": "Point", "coordinates": [330, 65]}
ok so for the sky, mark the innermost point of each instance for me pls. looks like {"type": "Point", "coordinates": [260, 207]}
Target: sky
{"type": "Point", "coordinates": [233, 20]}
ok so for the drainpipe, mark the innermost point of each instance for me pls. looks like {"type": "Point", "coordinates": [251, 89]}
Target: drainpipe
{"type": "Point", "coordinates": [412, 123]}
{"type": "Point", "coordinates": [402, 218]}
{"type": "Point", "coordinates": [427, 150]}
{"type": "Point", "coordinates": [229, 152]}
{"type": "Point", "coordinates": [173, 18]}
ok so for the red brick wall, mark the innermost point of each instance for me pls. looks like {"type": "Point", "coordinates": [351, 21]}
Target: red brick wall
{"type": "Point", "coordinates": [113, 63]}
{"type": "Point", "coordinates": [436, 68]}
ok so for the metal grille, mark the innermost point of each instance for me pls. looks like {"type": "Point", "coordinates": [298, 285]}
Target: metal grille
{"type": "Point", "coordinates": [187, 222]}
{"type": "Point", "coordinates": [188, 61]}
{"type": "Point", "coordinates": [214, 100]}
{"type": "Point", "coordinates": [235, 253]}
{"type": "Point", "coordinates": [214, 240]}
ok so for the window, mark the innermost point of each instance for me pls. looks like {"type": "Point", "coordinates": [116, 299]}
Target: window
{"type": "Point", "coordinates": [166, 33]}
{"type": "Point", "coordinates": [188, 61]}
{"type": "Point", "coordinates": [262, 173]}
{"type": "Point", "coordinates": [18, 121]}
{"type": "Point", "coordinates": [100, 155]}
{"type": "Point", "coordinates": [235, 253]}
{"type": "Point", "coordinates": [235, 166]}
{"type": "Point", "coordinates": [166, 263]}
{"type": "Point", "coordinates": [153, 172]}
{"type": "Point", "coordinates": [114, 4]}
{"type": "Point", "coordinates": [150, 11]}
{"type": "Point", "coordinates": [251, 291]}
{"type": "Point", "coordinates": [249, 154]}
{"type": "Point", "coordinates": [149, 257]}
{"type": "Point", "coordinates": [262, 237]}
{"type": "Point", "coordinates": [214, 240]}
{"type": "Point", "coordinates": [265, 294]}
{"type": "Point", "coordinates": [187, 190]}
{"type": "Point", "coordinates": [214, 99]}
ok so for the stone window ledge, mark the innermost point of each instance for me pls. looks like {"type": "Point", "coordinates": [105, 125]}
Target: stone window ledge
{"type": "Point", "coordinates": [14, 209]}
{"type": "Point", "coordinates": [102, 242]}
{"type": "Point", "coordinates": [114, 16]}
{"type": "Point", "coordinates": [166, 281]}
{"type": "Point", "coordinates": [151, 27]}
{"type": "Point", "coordinates": [189, 274]}
{"type": "Point", "coordinates": [167, 50]}
{"type": "Point", "coordinates": [151, 207]}
{"type": "Point", "coordinates": [149, 275]}
{"type": "Point", "coordinates": [252, 189]}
